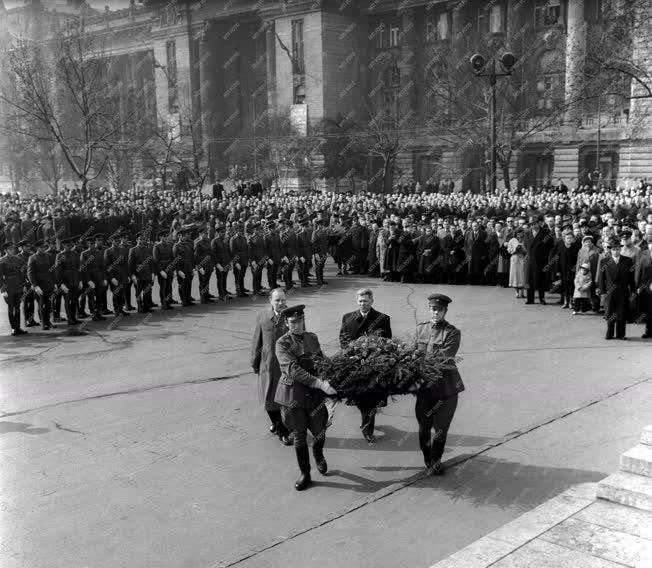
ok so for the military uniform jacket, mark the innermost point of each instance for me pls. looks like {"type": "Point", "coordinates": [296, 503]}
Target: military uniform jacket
{"type": "Point", "coordinates": [239, 249]}
{"type": "Point", "coordinates": [116, 264]}
{"type": "Point", "coordinates": [320, 242]}
{"type": "Point", "coordinates": [288, 244]}
{"type": "Point", "coordinates": [140, 262]}
{"type": "Point", "coordinates": [442, 340]}
{"type": "Point", "coordinates": [184, 257]}
{"type": "Point", "coordinates": [163, 257]}
{"type": "Point", "coordinates": [295, 357]}
{"type": "Point", "coordinates": [67, 269]}
{"type": "Point", "coordinates": [257, 248]}
{"type": "Point", "coordinates": [12, 277]}
{"type": "Point", "coordinates": [304, 244]}
{"type": "Point", "coordinates": [221, 253]}
{"type": "Point", "coordinates": [273, 246]}
{"type": "Point", "coordinates": [39, 271]}
{"type": "Point", "coordinates": [91, 263]}
{"type": "Point", "coordinates": [204, 254]}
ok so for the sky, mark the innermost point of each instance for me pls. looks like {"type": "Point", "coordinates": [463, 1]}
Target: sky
{"type": "Point", "coordinates": [98, 4]}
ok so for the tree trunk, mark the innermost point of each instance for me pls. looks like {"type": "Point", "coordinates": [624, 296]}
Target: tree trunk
{"type": "Point", "coordinates": [507, 181]}
{"type": "Point", "coordinates": [388, 174]}
{"type": "Point", "coordinates": [84, 189]}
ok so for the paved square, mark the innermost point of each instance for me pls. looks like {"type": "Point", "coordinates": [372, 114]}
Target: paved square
{"type": "Point", "coordinates": [140, 442]}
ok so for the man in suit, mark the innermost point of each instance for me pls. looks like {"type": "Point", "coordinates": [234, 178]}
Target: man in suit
{"type": "Point", "coordinates": [476, 250]}
{"type": "Point", "coordinates": [301, 393]}
{"type": "Point", "coordinates": [538, 243]}
{"type": "Point", "coordinates": [436, 402]}
{"type": "Point", "coordinates": [643, 280]}
{"type": "Point", "coordinates": [616, 282]}
{"type": "Point", "coordinates": [366, 321]}
{"type": "Point", "coordinates": [270, 325]}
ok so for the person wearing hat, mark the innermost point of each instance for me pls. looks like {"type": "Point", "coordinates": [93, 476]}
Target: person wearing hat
{"type": "Point", "coordinates": [300, 393]}
{"type": "Point", "coordinates": [538, 244]}
{"type": "Point", "coordinates": [320, 241]}
{"type": "Point", "coordinates": [643, 280]}
{"type": "Point", "coordinates": [304, 251]}
{"type": "Point", "coordinates": [288, 253]}
{"type": "Point", "coordinates": [67, 278]}
{"type": "Point", "coordinates": [41, 277]}
{"type": "Point", "coordinates": [239, 253]}
{"type": "Point", "coordinates": [104, 291]}
{"type": "Point", "coordinates": [93, 274]}
{"type": "Point", "coordinates": [564, 260]}
{"type": "Point", "coordinates": [272, 242]}
{"type": "Point", "coordinates": [616, 283]}
{"type": "Point", "coordinates": [57, 296]}
{"type": "Point", "coordinates": [117, 274]}
{"type": "Point", "coordinates": [184, 260]}
{"type": "Point", "coordinates": [79, 247]}
{"type": "Point", "coordinates": [25, 250]}
{"type": "Point", "coordinates": [436, 402]}
{"type": "Point", "coordinates": [366, 321]}
{"type": "Point", "coordinates": [139, 264]}
{"type": "Point", "coordinates": [12, 281]}
{"type": "Point", "coordinates": [204, 264]}
{"type": "Point", "coordinates": [163, 267]}
{"type": "Point", "coordinates": [590, 254]}
{"type": "Point", "coordinates": [583, 284]}
{"type": "Point", "coordinates": [257, 258]}
{"type": "Point", "coordinates": [222, 258]}
{"type": "Point", "coordinates": [270, 326]}
{"type": "Point", "coordinates": [125, 247]}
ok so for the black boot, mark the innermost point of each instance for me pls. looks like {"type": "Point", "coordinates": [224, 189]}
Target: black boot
{"type": "Point", "coordinates": [318, 454]}
{"type": "Point", "coordinates": [436, 455]}
{"type": "Point", "coordinates": [303, 458]}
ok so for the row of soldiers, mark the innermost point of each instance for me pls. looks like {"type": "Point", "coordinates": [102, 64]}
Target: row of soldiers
{"type": "Point", "coordinates": [85, 268]}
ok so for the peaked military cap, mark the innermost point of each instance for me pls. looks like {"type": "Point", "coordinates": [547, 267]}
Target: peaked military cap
{"type": "Point", "coordinates": [440, 300]}
{"type": "Point", "coordinates": [294, 312]}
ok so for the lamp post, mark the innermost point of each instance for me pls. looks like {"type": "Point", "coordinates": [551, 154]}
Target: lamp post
{"type": "Point", "coordinates": [253, 106]}
{"type": "Point", "coordinates": [479, 66]}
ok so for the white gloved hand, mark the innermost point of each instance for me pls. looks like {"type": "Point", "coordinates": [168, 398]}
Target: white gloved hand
{"type": "Point", "coordinates": [237, 265]}
{"type": "Point", "coordinates": [38, 290]}
{"type": "Point", "coordinates": [64, 288]}
{"type": "Point", "coordinates": [220, 267]}
{"type": "Point", "coordinates": [326, 387]}
{"type": "Point", "coordinates": [181, 274]}
{"type": "Point", "coordinates": [254, 264]}
{"type": "Point", "coordinates": [201, 271]}
{"type": "Point", "coordinates": [164, 274]}
{"type": "Point", "coordinates": [114, 281]}
{"type": "Point", "coordinates": [285, 259]}
{"type": "Point", "coordinates": [270, 261]}
{"type": "Point", "coordinates": [91, 285]}
{"type": "Point", "coordinates": [80, 285]}
{"type": "Point", "coordinates": [104, 283]}
{"type": "Point", "coordinates": [5, 294]}
{"type": "Point", "coordinates": [134, 279]}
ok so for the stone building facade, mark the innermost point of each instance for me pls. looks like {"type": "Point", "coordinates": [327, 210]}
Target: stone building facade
{"type": "Point", "coordinates": [227, 66]}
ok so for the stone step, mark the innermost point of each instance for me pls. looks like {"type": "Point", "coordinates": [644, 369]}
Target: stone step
{"type": "Point", "coordinates": [637, 460]}
{"type": "Point", "coordinates": [627, 489]}
{"type": "Point", "coordinates": [646, 436]}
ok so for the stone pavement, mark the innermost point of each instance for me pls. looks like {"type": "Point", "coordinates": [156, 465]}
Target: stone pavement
{"type": "Point", "coordinates": [140, 442]}
{"type": "Point", "coordinates": [576, 529]}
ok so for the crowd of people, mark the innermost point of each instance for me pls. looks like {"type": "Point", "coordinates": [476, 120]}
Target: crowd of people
{"type": "Point", "coordinates": [592, 245]}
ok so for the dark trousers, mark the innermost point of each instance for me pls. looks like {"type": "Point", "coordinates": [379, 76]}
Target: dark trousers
{"type": "Point", "coordinates": [581, 304]}
{"type": "Point", "coordinates": [567, 289]}
{"type": "Point", "coordinates": [277, 422]}
{"type": "Point", "coordinates": [57, 297]}
{"type": "Point", "coordinates": [144, 294]}
{"type": "Point", "coordinates": [70, 303]}
{"type": "Point", "coordinates": [619, 326]}
{"type": "Point", "coordinates": [257, 277]}
{"type": "Point", "coordinates": [300, 420]}
{"type": "Point", "coordinates": [319, 268]}
{"type": "Point", "coordinates": [164, 289]}
{"type": "Point", "coordinates": [128, 303]}
{"type": "Point", "coordinates": [28, 305]}
{"type": "Point", "coordinates": [13, 310]}
{"type": "Point", "coordinates": [185, 286]}
{"type": "Point", "coordinates": [45, 306]}
{"type": "Point", "coordinates": [541, 291]}
{"type": "Point", "coordinates": [368, 407]}
{"type": "Point", "coordinates": [287, 274]}
{"type": "Point", "coordinates": [303, 267]}
{"type": "Point", "coordinates": [272, 275]}
{"type": "Point", "coordinates": [118, 296]}
{"type": "Point", "coordinates": [94, 298]}
{"type": "Point", "coordinates": [82, 298]}
{"type": "Point", "coordinates": [205, 284]}
{"type": "Point", "coordinates": [221, 282]}
{"type": "Point", "coordinates": [239, 275]}
{"type": "Point", "coordinates": [433, 413]}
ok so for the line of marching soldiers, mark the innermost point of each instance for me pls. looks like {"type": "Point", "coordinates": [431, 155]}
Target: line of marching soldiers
{"type": "Point", "coordinates": [85, 268]}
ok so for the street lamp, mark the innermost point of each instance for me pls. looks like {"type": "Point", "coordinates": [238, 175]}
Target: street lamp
{"type": "Point", "coordinates": [479, 66]}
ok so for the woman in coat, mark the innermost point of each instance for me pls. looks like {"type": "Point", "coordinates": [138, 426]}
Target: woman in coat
{"type": "Point", "coordinates": [516, 248]}
{"type": "Point", "coordinates": [270, 326]}
{"type": "Point", "coordinates": [391, 256]}
{"type": "Point", "coordinates": [381, 249]}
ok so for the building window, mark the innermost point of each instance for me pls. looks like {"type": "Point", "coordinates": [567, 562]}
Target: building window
{"type": "Point", "coordinates": [594, 10]}
{"type": "Point", "coordinates": [171, 66]}
{"type": "Point", "coordinates": [547, 90]}
{"type": "Point", "coordinates": [437, 28]}
{"type": "Point", "coordinates": [547, 13]}
{"type": "Point", "coordinates": [389, 94]}
{"type": "Point", "coordinates": [297, 47]}
{"type": "Point", "coordinates": [496, 19]}
{"type": "Point", "coordinates": [394, 34]}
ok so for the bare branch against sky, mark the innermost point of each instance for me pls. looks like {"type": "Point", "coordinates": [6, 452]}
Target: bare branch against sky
{"type": "Point", "coordinates": [97, 4]}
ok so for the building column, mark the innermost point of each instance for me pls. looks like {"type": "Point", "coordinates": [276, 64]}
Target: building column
{"type": "Point", "coordinates": [566, 166]}
{"type": "Point", "coordinates": [270, 38]}
{"type": "Point", "coordinates": [407, 64]}
{"type": "Point", "coordinates": [575, 53]}
{"type": "Point", "coordinates": [206, 66]}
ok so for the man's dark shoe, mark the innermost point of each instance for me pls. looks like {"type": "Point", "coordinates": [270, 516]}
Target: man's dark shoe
{"type": "Point", "coordinates": [370, 438]}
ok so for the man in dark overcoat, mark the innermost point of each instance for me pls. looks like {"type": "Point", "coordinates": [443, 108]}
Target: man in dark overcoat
{"type": "Point", "coordinates": [366, 321]}
{"type": "Point", "coordinates": [270, 325]}
{"type": "Point", "coordinates": [643, 280]}
{"type": "Point", "coordinates": [538, 243]}
{"type": "Point", "coordinates": [616, 281]}
{"type": "Point", "coordinates": [476, 250]}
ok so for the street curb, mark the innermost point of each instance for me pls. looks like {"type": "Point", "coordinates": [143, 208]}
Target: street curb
{"type": "Point", "coordinates": [503, 541]}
